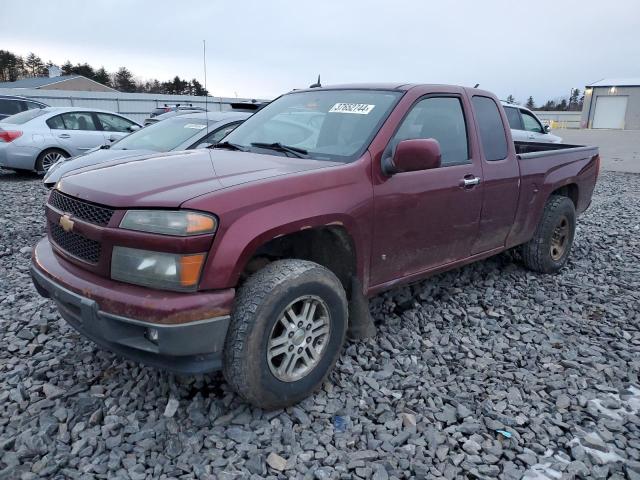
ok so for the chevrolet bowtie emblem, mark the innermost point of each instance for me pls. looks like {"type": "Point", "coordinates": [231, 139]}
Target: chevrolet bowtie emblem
{"type": "Point", "coordinates": [66, 223]}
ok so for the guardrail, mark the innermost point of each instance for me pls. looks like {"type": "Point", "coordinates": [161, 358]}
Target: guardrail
{"type": "Point", "coordinates": [136, 106]}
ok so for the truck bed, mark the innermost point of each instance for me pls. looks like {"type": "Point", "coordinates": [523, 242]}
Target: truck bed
{"type": "Point", "coordinates": [535, 149]}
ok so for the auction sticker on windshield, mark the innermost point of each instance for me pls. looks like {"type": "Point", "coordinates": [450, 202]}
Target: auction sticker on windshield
{"type": "Point", "coordinates": [359, 108]}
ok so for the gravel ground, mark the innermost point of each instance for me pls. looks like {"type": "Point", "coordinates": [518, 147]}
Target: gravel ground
{"type": "Point", "coordinates": [487, 371]}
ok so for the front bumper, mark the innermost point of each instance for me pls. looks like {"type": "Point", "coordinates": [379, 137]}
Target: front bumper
{"type": "Point", "coordinates": [191, 347]}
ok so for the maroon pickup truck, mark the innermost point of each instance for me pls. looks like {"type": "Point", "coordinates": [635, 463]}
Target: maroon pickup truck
{"type": "Point", "coordinates": [257, 257]}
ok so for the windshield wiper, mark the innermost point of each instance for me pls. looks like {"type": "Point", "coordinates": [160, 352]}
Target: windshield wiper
{"type": "Point", "coordinates": [228, 146]}
{"type": "Point", "coordinates": [278, 147]}
{"type": "Point", "coordinates": [105, 147]}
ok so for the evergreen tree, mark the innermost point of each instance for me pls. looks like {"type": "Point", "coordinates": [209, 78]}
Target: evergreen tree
{"type": "Point", "coordinates": [530, 103]}
{"type": "Point", "coordinates": [102, 76]}
{"type": "Point", "coordinates": [34, 66]}
{"type": "Point", "coordinates": [196, 88]}
{"type": "Point", "coordinates": [123, 80]}
{"type": "Point", "coordinates": [67, 68]}
{"type": "Point", "coordinates": [11, 66]}
{"type": "Point", "coordinates": [511, 99]}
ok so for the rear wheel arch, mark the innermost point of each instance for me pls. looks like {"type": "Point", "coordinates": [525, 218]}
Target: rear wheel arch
{"type": "Point", "coordinates": [38, 165]}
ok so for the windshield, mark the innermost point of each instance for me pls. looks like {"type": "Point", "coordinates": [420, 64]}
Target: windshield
{"type": "Point", "coordinates": [23, 117]}
{"type": "Point", "coordinates": [324, 124]}
{"type": "Point", "coordinates": [162, 136]}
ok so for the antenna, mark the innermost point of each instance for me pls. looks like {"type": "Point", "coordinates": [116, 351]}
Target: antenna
{"type": "Point", "coordinates": [476, 85]}
{"type": "Point", "coordinates": [206, 92]}
{"type": "Point", "coordinates": [317, 84]}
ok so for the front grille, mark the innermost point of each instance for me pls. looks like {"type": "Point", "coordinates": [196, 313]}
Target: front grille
{"type": "Point", "coordinates": [77, 245]}
{"type": "Point", "coordinates": [78, 208]}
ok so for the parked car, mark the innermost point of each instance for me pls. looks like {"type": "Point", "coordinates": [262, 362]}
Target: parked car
{"type": "Point", "coordinates": [162, 113]}
{"type": "Point", "coordinates": [258, 256]}
{"type": "Point", "coordinates": [179, 133]}
{"type": "Point", "coordinates": [10, 105]}
{"type": "Point", "coordinates": [526, 127]}
{"type": "Point", "coordinates": [36, 139]}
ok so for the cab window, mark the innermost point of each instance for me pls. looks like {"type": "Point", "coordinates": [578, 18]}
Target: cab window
{"type": "Point", "coordinates": [442, 119]}
{"type": "Point", "coordinates": [114, 123]}
{"type": "Point", "coordinates": [492, 133]}
{"type": "Point", "coordinates": [530, 122]}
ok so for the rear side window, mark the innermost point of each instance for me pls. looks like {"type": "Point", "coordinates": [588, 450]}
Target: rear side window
{"type": "Point", "coordinates": [10, 107]}
{"type": "Point", "coordinates": [56, 122]}
{"type": "Point", "coordinates": [442, 119]}
{"type": "Point", "coordinates": [492, 134]}
{"type": "Point", "coordinates": [513, 116]}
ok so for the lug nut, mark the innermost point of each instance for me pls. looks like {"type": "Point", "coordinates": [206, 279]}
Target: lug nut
{"type": "Point", "coordinates": [291, 348]}
{"type": "Point", "coordinates": [299, 324]}
{"type": "Point", "coordinates": [290, 334]}
{"type": "Point", "coordinates": [309, 327]}
{"type": "Point", "coordinates": [300, 350]}
{"type": "Point", "coordinates": [308, 339]}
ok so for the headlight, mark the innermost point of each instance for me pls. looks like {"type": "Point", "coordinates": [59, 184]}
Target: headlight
{"type": "Point", "coordinates": [166, 271]}
{"type": "Point", "coordinates": [178, 222]}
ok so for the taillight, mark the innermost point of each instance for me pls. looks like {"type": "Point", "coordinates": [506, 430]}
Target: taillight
{"type": "Point", "coordinates": [9, 135]}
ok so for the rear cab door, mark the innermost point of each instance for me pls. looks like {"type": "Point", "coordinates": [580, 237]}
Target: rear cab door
{"type": "Point", "coordinates": [426, 219]}
{"type": "Point", "coordinates": [76, 132]}
{"type": "Point", "coordinates": [500, 172]}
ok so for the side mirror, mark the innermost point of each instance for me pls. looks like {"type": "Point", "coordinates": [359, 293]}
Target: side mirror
{"type": "Point", "coordinates": [113, 138]}
{"type": "Point", "coordinates": [414, 155]}
{"type": "Point", "coordinates": [134, 128]}
{"type": "Point", "coordinates": [547, 128]}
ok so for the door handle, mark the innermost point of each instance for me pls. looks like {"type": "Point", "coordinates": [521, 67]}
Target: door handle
{"type": "Point", "coordinates": [64, 135]}
{"type": "Point", "coordinates": [469, 181]}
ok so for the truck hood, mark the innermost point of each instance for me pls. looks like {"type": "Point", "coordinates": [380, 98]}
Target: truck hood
{"type": "Point", "coordinates": [170, 179]}
{"type": "Point", "coordinates": [57, 171]}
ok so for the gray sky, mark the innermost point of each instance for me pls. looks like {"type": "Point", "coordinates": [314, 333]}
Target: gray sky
{"type": "Point", "coordinates": [263, 48]}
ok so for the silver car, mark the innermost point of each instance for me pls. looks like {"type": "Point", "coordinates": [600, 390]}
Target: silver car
{"type": "Point", "coordinates": [36, 139]}
{"type": "Point", "coordinates": [526, 127]}
{"type": "Point", "coordinates": [183, 132]}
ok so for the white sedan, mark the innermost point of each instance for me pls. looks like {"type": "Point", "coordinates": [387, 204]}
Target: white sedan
{"type": "Point", "coordinates": [36, 139]}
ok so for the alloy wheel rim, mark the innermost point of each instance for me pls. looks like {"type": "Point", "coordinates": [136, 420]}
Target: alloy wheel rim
{"type": "Point", "coordinates": [560, 239]}
{"type": "Point", "coordinates": [49, 159]}
{"type": "Point", "coordinates": [299, 338]}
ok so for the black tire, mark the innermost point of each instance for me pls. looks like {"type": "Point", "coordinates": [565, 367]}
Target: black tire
{"type": "Point", "coordinates": [260, 303]}
{"type": "Point", "coordinates": [542, 253]}
{"type": "Point", "coordinates": [40, 166]}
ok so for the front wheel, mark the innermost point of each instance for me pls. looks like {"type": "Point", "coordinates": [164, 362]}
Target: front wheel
{"type": "Point", "coordinates": [287, 329]}
{"type": "Point", "coordinates": [549, 249]}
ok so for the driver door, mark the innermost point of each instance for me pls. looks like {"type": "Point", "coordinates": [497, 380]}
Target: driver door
{"type": "Point", "coordinates": [426, 219]}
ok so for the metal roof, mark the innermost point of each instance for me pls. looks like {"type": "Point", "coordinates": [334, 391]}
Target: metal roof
{"type": "Point", "coordinates": [39, 82]}
{"type": "Point", "coordinates": [616, 82]}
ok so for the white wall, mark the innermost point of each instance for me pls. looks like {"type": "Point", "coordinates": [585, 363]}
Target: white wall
{"type": "Point", "coordinates": [136, 106]}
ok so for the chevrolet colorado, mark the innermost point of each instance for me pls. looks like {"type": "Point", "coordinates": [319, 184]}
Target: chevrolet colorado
{"type": "Point", "coordinates": [257, 256]}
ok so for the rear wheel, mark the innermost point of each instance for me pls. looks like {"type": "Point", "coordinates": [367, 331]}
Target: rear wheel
{"type": "Point", "coordinates": [549, 249]}
{"type": "Point", "coordinates": [47, 158]}
{"type": "Point", "coordinates": [286, 333]}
